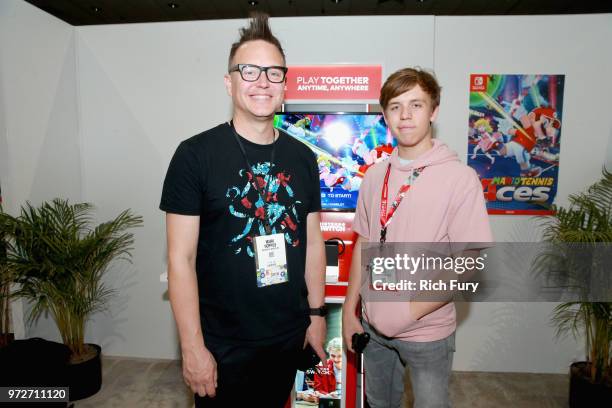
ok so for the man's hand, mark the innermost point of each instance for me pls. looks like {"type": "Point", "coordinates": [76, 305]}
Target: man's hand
{"type": "Point", "coordinates": [315, 335]}
{"type": "Point", "coordinates": [200, 372]}
{"type": "Point", "coordinates": [350, 326]}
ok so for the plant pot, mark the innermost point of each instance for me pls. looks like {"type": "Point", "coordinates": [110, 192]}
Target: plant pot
{"type": "Point", "coordinates": [6, 339]}
{"type": "Point", "coordinates": [34, 363]}
{"type": "Point", "coordinates": [85, 378]}
{"type": "Point", "coordinates": [584, 393]}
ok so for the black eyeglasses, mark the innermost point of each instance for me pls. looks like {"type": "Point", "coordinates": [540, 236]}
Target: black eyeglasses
{"type": "Point", "coordinates": [251, 73]}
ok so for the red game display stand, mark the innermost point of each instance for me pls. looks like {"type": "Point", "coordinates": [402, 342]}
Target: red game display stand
{"type": "Point", "coordinates": [338, 225]}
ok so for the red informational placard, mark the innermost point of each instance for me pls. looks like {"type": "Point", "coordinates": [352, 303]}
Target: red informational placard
{"type": "Point", "coordinates": [337, 82]}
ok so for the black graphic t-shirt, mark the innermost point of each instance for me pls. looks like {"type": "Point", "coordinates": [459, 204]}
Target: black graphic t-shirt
{"type": "Point", "coordinates": [208, 176]}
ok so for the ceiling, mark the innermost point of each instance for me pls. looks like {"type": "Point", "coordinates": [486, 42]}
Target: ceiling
{"type": "Point", "coordinates": [89, 12]}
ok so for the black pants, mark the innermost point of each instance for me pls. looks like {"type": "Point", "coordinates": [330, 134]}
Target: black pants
{"type": "Point", "coordinates": [258, 376]}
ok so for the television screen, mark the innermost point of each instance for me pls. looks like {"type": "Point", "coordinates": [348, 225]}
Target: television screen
{"type": "Point", "coordinates": [346, 145]}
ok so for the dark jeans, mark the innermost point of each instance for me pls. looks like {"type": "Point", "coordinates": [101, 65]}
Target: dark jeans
{"type": "Point", "coordinates": [258, 376]}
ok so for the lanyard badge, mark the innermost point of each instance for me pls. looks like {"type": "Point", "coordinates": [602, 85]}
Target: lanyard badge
{"type": "Point", "coordinates": [386, 217]}
{"type": "Point", "coordinates": [389, 275]}
{"type": "Point", "coordinates": [270, 259]}
{"type": "Point", "coordinates": [270, 249]}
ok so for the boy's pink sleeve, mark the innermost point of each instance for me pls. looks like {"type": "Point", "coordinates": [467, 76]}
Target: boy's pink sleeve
{"type": "Point", "coordinates": [470, 221]}
{"type": "Point", "coordinates": [361, 224]}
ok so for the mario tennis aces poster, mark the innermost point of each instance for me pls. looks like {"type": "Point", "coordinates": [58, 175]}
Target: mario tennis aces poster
{"type": "Point", "coordinates": [514, 140]}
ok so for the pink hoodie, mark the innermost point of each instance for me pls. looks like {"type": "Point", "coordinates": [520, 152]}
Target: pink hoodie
{"type": "Point", "coordinates": [445, 204]}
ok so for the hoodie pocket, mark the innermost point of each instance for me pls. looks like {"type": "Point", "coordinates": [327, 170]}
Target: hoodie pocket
{"type": "Point", "coordinates": [390, 318]}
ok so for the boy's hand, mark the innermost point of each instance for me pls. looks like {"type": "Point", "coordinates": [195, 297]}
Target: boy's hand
{"type": "Point", "coordinates": [350, 326]}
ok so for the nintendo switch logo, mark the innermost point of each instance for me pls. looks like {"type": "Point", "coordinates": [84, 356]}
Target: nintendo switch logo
{"type": "Point", "coordinates": [478, 83]}
{"type": "Point", "coordinates": [333, 226]}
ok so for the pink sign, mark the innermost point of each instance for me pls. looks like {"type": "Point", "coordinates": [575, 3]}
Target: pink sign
{"type": "Point", "coordinates": [338, 82]}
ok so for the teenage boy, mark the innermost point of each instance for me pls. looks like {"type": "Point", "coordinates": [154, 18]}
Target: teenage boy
{"type": "Point", "coordinates": [443, 202]}
{"type": "Point", "coordinates": [246, 256]}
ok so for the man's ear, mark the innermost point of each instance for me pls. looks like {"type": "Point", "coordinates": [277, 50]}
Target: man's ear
{"type": "Point", "coordinates": [227, 78]}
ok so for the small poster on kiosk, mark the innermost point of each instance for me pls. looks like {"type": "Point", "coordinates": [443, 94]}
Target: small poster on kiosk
{"type": "Point", "coordinates": [514, 140]}
{"type": "Point", "coordinates": [324, 384]}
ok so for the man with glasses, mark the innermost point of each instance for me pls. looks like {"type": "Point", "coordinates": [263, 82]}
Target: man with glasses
{"type": "Point", "coordinates": [246, 259]}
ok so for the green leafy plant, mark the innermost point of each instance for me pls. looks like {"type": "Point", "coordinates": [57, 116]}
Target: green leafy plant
{"type": "Point", "coordinates": [5, 286]}
{"type": "Point", "coordinates": [59, 259]}
{"type": "Point", "coordinates": [587, 220]}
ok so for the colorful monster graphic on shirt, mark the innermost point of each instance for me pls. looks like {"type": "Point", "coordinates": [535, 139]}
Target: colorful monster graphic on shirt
{"type": "Point", "coordinates": [279, 206]}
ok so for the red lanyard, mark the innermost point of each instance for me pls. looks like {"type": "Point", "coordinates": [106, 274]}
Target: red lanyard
{"type": "Point", "coordinates": [385, 218]}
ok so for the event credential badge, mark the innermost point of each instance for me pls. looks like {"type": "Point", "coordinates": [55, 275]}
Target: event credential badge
{"type": "Point", "coordinates": [270, 260]}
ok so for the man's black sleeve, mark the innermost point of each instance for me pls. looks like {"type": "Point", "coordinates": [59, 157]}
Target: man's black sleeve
{"type": "Point", "coordinates": [184, 184]}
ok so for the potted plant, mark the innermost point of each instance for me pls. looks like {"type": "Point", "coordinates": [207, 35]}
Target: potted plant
{"type": "Point", "coordinates": [5, 286]}
{"type": "Point", "coordinates": [586, 222]}
{"type": "Point", "coordinates": [59, 259]}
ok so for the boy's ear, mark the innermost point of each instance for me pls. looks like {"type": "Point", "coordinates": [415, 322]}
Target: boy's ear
{"type": "Point", "coordinates": [434, 114]}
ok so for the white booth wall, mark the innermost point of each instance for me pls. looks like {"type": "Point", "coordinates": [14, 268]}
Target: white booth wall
{"type": "Point", "coordinates": [39, 138]}
{"type": "Point", "coordinates": [39, 154]}
{"type": "Point", "coordinates": [94, 113]}
{"type": "Point", "coordinates": [519, 336]}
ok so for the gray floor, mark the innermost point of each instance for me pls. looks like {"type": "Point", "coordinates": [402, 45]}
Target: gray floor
{"type": "Point", "coordinates": [137, 383]}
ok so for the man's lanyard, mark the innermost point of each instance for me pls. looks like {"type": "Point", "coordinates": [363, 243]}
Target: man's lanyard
{"type": "Point", "coordinates": [262, 192]}
{"type": "Point", "coordinates": [385, 218]}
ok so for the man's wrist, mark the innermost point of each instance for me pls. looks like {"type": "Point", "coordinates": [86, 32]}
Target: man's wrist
{"type": "Point", "coordinates": [193, 343]}
{"type": "Point", "coordinates": [319, 311]}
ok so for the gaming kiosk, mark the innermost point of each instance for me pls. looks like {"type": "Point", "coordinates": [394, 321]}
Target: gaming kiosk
{"type": "Point", "coordinates": [346, 145]}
